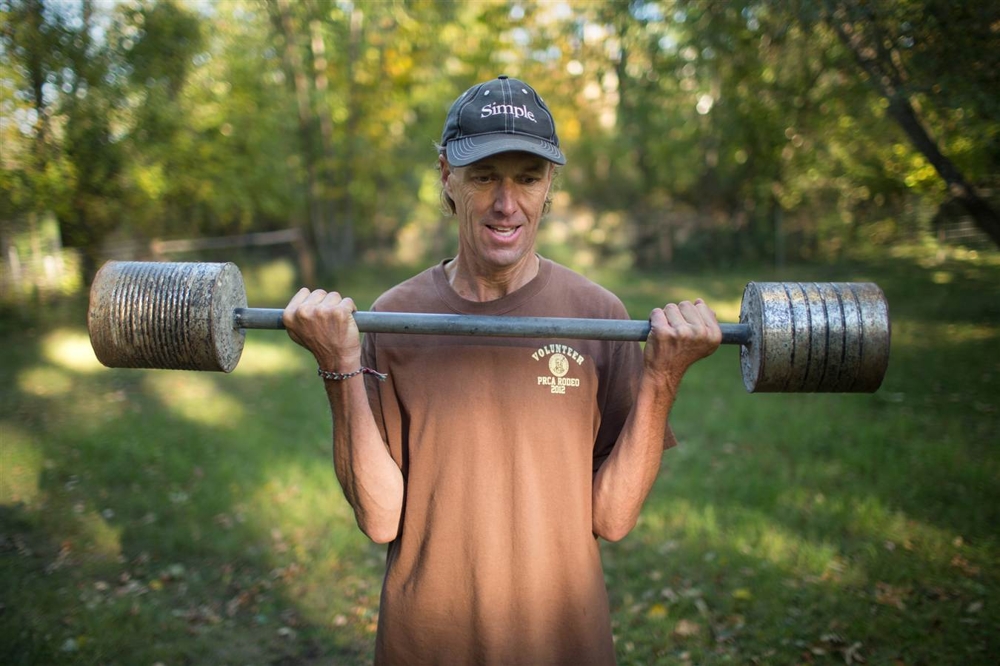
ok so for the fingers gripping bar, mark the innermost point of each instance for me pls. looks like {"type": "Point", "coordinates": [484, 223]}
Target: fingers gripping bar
{"type": "Point", "coordinates": [794, 337]}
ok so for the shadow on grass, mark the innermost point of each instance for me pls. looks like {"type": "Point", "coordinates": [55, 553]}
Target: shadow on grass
{"type": "Point", "coordinates": [174, 517]}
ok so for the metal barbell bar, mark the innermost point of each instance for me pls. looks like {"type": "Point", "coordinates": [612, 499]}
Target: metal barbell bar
{"type": "Point", "coordinates": [794, 337]}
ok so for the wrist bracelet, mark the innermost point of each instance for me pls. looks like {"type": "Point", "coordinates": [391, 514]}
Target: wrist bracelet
{"type": "Point", "coordinates": [338, 376]}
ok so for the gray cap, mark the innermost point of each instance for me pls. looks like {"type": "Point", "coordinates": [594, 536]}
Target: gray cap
{"type": "Point", "coordinates": [499, 116]}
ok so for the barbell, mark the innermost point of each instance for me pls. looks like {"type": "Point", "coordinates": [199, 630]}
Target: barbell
{"type": "Point", "coordinates": [794, 336]}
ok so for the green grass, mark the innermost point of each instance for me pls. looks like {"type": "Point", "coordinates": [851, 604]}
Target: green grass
{"type": "Point", "coordinates": [194, 518]}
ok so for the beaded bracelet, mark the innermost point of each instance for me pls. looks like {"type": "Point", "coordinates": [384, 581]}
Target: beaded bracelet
{"type": "Point", "coordinates": [338, 376]}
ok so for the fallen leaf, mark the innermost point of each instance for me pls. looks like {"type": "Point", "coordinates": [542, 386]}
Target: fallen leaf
{"type": "Point", "coordinates": [889, 595]}
{"type": "Point", "coordinates": [656, 612]}
{"type": "Point", "coordinates": [173, 572]}
{"type": "Point", "coordinates": [965, 566]}
{"type": "Point", "coordinates": [687, 629]}
{"type": "Point", "coordinates": [852, 654]}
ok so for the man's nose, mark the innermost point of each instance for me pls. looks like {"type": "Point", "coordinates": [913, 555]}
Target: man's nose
{"type": "Point", "coordinates": [506, 200]}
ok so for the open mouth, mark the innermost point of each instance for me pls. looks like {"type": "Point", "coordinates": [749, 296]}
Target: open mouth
{"type": "Point", "coordinates": [503, 231]}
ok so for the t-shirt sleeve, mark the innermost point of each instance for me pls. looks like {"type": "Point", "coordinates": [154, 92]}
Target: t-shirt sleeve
{"type": "Point", "coordinates": [617, 395]}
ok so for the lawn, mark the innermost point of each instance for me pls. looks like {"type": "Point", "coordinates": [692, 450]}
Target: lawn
{"type": "Point", "coordinates": [193, 518]}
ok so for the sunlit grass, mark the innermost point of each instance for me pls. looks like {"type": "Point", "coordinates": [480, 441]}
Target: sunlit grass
{"type": "Point", "coordinates": [71, 350]}
{"type": "Point", "coordinates": [300, 495]}
{"type": "Point", "coordinates": [925, 335]}
{"type": "Point", "coordinates": [197, 398]}
{"type": "Point", "coordinates": [45, 381]}
{"type": "Point", "coordinates": [99, 536]}
{"type": "Point", "coordinates": [751, 533]}
{"type": "Point", "coordinates": [21, 463]}
{"type": "Point", "coordinates": [271, 353]}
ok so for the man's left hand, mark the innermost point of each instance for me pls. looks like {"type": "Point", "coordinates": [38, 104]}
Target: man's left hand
{"type": "Point", "coordinates": [680, 334]}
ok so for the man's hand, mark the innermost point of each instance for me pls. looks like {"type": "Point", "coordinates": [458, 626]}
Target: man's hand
{"type": "Point", "coordinates": [680, 335]}
{"type": "Point", "coordinates": [323, 323]}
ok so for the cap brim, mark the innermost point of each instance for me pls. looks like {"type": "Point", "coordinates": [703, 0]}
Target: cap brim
{"type": "Point", "coordinates": [463, 152]}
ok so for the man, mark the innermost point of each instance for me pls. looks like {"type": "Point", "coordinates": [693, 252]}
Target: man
{"type": "Point", "coordinates": [492, 465]}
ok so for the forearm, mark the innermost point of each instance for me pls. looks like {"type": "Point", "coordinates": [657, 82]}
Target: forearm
{"type": "Point", "coordinates": [626, 478]}
{"type": "Point", "coordinates": [370, 478]}
{"type": "Point", "coordinates": [323, 323]}
{"type": "Point", "coordinates": [679, 336]}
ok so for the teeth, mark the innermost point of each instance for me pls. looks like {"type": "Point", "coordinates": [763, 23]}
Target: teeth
{"type": "Point", "coordinates": [504, 231]}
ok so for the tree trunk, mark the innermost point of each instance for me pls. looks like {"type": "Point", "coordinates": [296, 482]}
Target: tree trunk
{"type": "Point", "coordinates": [318, 224]}
{"type": "Point", "coordinates": [887, 80]}
{"type": "Point", "coordinates": [334, 187]}
{"type": "Point", "coordinates": [963, 193]}
{"type": "Point", "coordinates": [353, 116]}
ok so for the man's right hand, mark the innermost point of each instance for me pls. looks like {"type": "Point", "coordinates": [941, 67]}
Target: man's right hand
{"type": "Point", "coordinates": [323, 323]}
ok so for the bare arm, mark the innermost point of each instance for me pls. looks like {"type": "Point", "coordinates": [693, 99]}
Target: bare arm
{"type": "Point", "coordinates": [680, 335]}
{"type": "Point", "coordinates": [322, 322]}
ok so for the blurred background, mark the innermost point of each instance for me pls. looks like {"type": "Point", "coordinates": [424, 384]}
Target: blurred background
{"type": "Point", "coordinates": [699, 133]}
{"type": "Point", "coordinates": [157, 517]}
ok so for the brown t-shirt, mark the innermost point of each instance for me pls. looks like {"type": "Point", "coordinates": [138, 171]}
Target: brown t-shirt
{"type": "Point", "coordinates": [498, 440]}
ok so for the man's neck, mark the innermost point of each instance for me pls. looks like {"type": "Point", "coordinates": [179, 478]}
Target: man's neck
{"type": "Point", "coordinates": [481, 287]}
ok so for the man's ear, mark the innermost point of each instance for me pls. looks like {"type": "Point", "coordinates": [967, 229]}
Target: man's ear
{"type": "Point", "coordinates": [445, 173]}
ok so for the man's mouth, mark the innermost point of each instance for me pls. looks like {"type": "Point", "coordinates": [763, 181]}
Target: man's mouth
{"type": "Point", "coordinates": [503, 231]}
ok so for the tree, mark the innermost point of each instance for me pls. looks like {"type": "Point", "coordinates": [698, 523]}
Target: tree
{"type": "Point", "coordinates": [893, 42]}
{"type": "Point", "coordinates": [63, 157]}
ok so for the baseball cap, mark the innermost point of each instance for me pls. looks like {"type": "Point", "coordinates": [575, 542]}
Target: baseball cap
{"type": "Point", "coordinates": [499, 116]}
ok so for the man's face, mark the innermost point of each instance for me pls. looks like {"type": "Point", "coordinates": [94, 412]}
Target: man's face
{"type": "Point", "coordinates": [499, 202]}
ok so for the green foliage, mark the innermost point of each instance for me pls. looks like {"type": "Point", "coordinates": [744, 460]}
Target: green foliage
{"type": "Point", "coordinates": [712, 133]}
